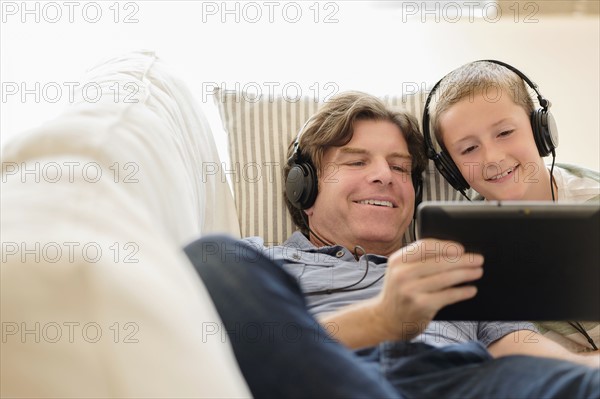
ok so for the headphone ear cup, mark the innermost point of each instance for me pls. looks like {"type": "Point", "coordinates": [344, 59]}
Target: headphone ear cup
{"type": "Point", "coordinates": [301, 185]}
{"type": "Point", "coordinates": [310, 186]}
{"type": "Point", "coordinates": [545, 132]}
{"type": "Point", "coordinates": [449, 171]}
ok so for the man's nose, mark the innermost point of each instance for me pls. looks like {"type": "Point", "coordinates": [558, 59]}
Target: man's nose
{"type": "Point", "coordinates": [380, 172]}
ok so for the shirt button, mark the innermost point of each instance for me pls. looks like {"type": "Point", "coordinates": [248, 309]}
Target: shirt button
{"type": "Point", "coordinates": [296, 256]}
{"type": "Point", "coordinates": [339, 253]}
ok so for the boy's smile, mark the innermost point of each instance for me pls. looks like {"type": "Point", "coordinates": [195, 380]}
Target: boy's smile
{"type": "Point", "coordinates": [503, 176]}
{"type": "Point", "coordinates": [492, 143]}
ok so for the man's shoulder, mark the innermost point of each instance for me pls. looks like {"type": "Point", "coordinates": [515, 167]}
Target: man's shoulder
{"type": "Point", "coordinates": [255, 241]}
{"type": "Point", "coordinates": [292, 249]}
{"type": "Point", "coordinates": [296, 240]}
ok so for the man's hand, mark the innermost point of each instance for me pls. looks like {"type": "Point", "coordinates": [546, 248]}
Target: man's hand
{"type": "Point", "coordinates": [421, 278]}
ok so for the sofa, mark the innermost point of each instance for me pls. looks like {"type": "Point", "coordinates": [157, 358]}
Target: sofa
{"type": "Point", "coordinates": [97, 296]}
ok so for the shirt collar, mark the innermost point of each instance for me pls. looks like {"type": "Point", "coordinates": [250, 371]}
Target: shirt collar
{"type": "Point", "coordinates": [299, 241]}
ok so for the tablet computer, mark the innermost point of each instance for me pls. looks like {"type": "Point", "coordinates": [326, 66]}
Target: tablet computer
{"type": "Point", "coordinates": [542, 259]}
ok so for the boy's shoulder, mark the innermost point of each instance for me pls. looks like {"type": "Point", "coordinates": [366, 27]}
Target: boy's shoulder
{"type": "Point", "coordinates": [577, 183]}
{"type": "Point", "coordinates": [579, 171]}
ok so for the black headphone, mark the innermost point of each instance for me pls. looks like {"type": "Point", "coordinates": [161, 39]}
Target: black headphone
{"type": "Point", "coordinates": [301, 185]}
{"type": "Point", "coordinates": [545, 133]}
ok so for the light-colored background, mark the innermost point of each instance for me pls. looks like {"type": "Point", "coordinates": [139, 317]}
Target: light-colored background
{"type": "Point", "coordinates": [378, 47]}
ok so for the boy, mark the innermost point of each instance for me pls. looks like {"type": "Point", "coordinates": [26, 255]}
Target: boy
{"type": "Point", "coordinates": [485, 123]}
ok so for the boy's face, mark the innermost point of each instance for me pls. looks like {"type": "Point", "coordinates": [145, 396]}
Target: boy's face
{"type": "Point", "coordinates": [492, 143]}
{"type": "Point", "coordinates": [365, 195]}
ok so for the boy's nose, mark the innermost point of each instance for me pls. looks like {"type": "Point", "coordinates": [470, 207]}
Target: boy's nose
{"type": "Point", "coordinates": [493, 160]}
{"type": "Point", "coordinates": [493, 154]}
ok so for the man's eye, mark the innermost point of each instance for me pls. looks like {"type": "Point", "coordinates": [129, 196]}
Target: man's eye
{"type": "Point", "coordinates": [355, 163]}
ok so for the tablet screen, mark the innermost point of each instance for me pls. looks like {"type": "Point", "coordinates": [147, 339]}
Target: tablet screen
{"type": "Point", "coordinates": [541, 258]}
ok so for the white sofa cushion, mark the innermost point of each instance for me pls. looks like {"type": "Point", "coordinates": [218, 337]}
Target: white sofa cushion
{"type": "Point", "coordinates": [132, 320]}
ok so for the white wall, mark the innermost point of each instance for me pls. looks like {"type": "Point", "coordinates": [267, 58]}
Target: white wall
{"type": "Point", "coordinates": [370, 47]}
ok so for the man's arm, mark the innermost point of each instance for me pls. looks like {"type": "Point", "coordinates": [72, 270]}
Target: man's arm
{"type": "Point", "coordinates": [420, 280]}
{"type": "Point", "coordinates": [533, 344]}
{"type": "Point", "coordinates": [358, 325]}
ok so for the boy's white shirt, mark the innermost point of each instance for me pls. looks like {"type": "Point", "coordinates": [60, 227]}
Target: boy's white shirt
{"type": "Point", "coordinates": [575, 188]}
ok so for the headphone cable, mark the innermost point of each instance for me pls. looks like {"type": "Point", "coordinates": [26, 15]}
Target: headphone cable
{"type": "Point", "coordinates": [303, 217]}
{"type": "Point", "coordinates": [346, 288]}
{"type": "Point", "coordinates": [465, 195]}
{"type": "Point", "coordinates": [576, 325]}
{"type": "Point", "coordinates": [552, 176]}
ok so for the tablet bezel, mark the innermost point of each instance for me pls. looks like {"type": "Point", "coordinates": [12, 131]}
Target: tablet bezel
{"type": "Point", "coordinates": [528, 245]}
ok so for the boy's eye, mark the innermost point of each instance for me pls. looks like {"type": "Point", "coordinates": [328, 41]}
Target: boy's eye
{"type": "Point", "coordinates": [506, 133]}
{"type": "Point", "coordinates": [468, 150]}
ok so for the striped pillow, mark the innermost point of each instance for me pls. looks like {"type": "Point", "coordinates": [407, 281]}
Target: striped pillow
{"type": "Point", "coordinates": [259, 134]}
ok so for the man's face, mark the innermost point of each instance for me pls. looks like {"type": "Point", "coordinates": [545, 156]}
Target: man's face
{"type": "Point", "coordinates": [491, 142]}
{"type": "Point", "coordinates": [365, 195]}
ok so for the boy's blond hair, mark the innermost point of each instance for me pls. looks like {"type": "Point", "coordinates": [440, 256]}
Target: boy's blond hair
{"type": "Point", "coordinates": [479, 77]}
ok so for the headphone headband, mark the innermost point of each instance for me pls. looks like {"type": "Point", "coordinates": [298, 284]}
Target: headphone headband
{"type": "Point", "coordinates": [544, 103]}
{"type": "Point", "coordinates": [296, 153]}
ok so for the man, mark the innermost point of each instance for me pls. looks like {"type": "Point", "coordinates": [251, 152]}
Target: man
{"type": "Point", "coordinates": [351, 180]}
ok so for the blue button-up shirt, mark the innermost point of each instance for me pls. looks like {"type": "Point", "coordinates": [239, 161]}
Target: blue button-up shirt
{"type": "Point", "coordinates": [319, 269]}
